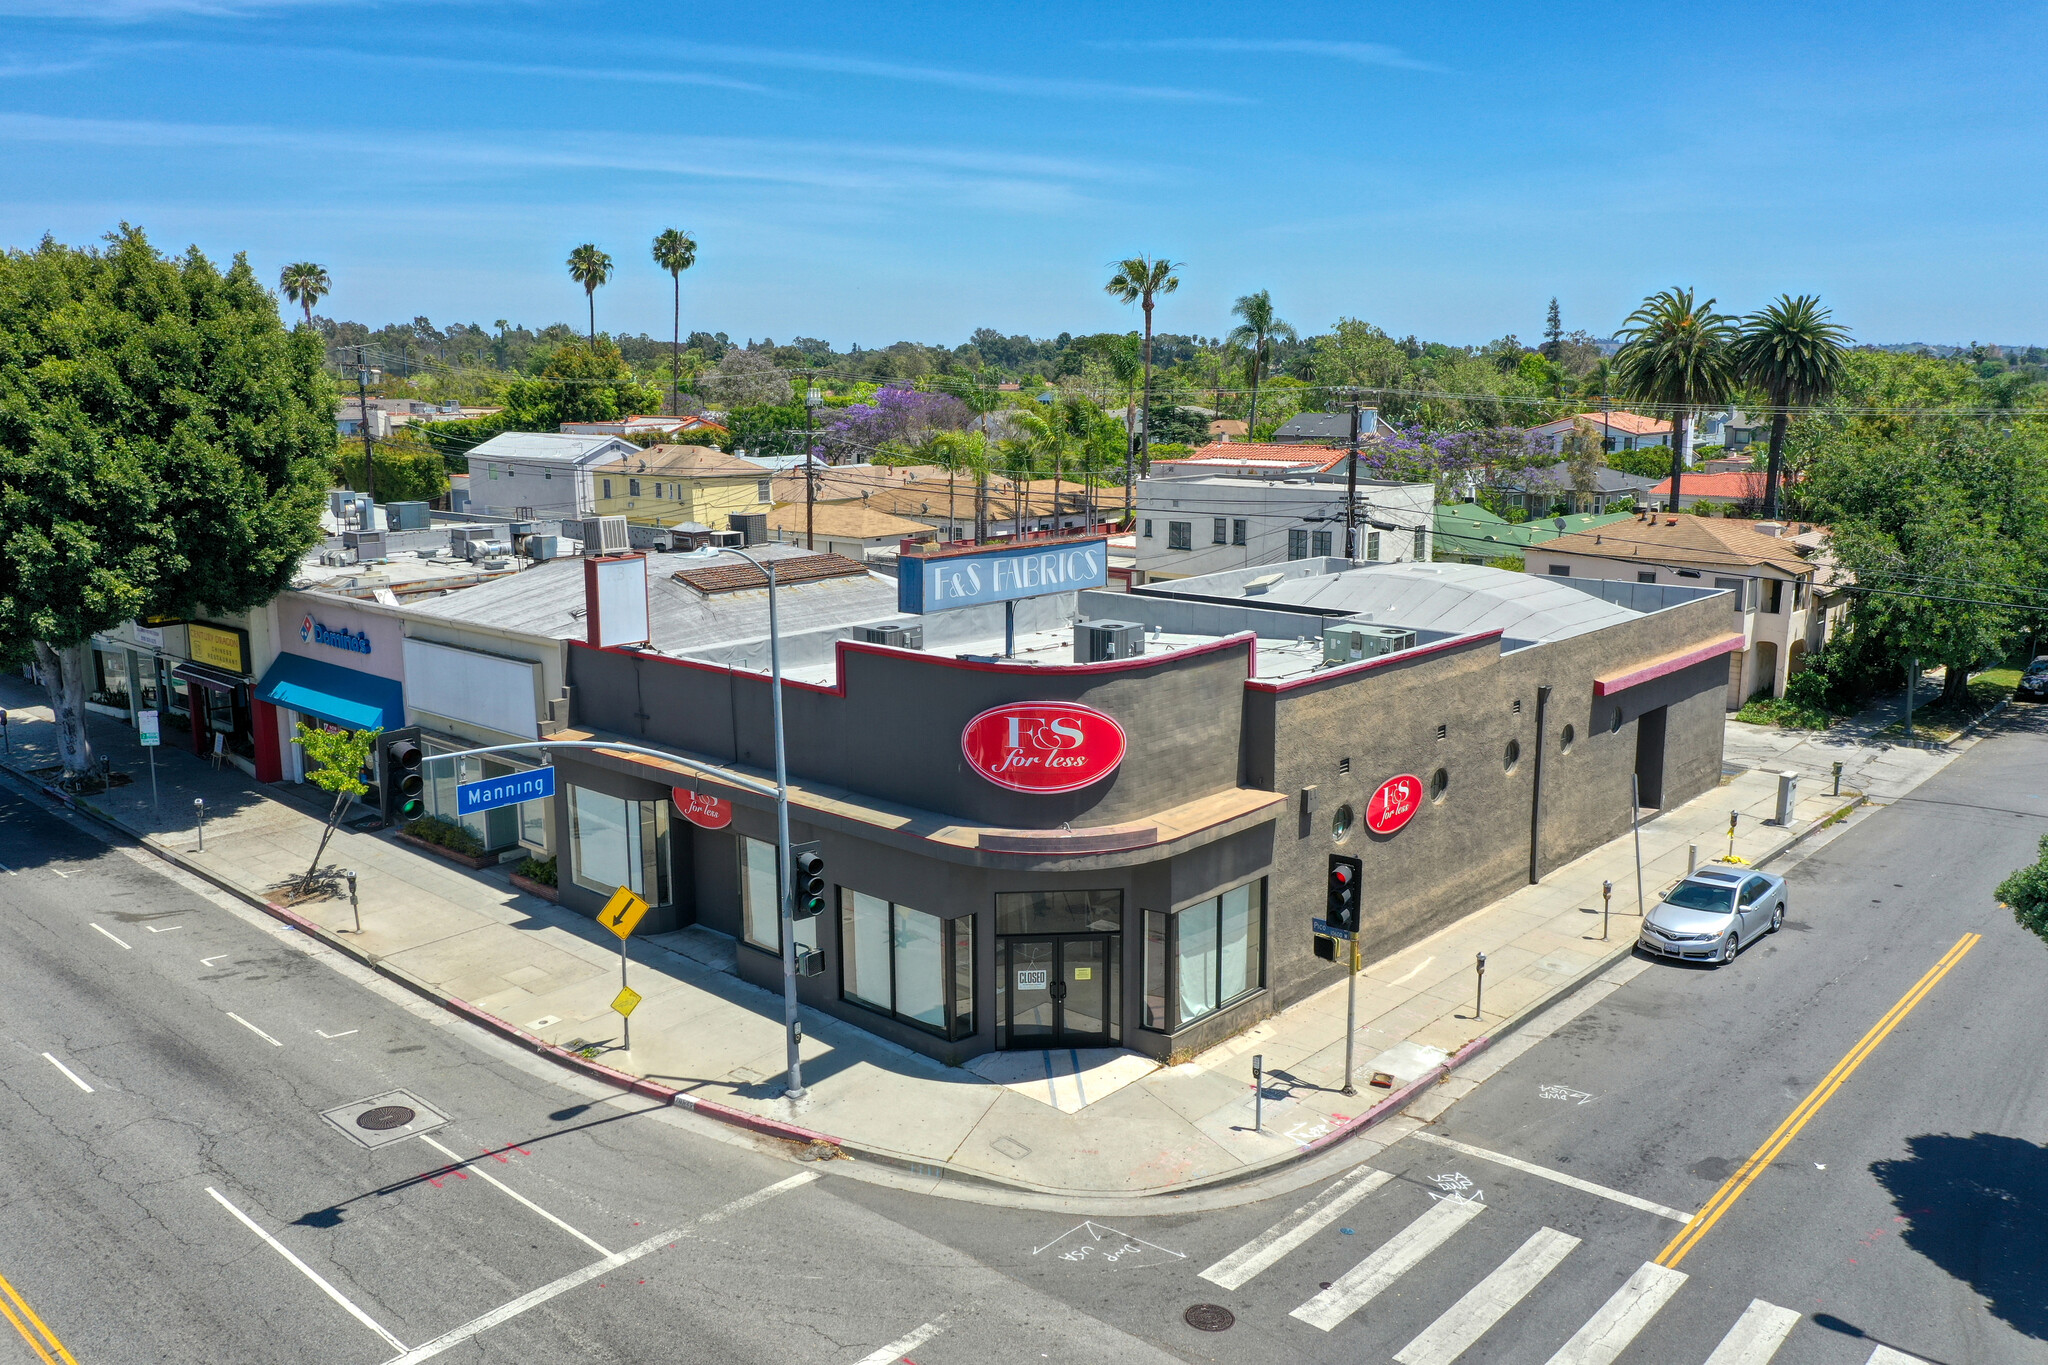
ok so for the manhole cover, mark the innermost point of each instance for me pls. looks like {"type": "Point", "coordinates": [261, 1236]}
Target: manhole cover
{"type": "Point", "coordinates": [385, 1116]}
{"type": "Point", "coordinates": [1210, 1317]}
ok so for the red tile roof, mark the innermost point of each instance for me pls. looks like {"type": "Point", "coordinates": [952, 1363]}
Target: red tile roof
{"type": "Point", "coordinates": [1628, 423]}
{"type": "Point", "coordinates": [1739, 484]}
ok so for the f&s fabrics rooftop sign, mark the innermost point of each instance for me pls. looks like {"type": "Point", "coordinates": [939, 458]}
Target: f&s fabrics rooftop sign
{"type": "Point", "coordinates": [1000, 573]}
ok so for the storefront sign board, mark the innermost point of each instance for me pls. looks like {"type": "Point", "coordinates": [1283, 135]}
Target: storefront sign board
{"type": "Point", "coordinates": [218, 647]}
{"type": "Point", "coordinates": [1043, 746]}
{"type": "Point", "coordinates": [314, 632]}
{"type": "Point", "coordinates": [1000, 573]}
{"type": "Point", "coordinates": [534, 784]}
{"type": "Point", "coordinates": [701, 808]}
{"type": "Point", "coordinates": [1394, 804]}
{"type": "Point", "coordinates": [150, 728]}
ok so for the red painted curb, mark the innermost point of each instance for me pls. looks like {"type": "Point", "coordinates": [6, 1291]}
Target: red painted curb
{"type": "Point", "coordinates": [1398, 1100]}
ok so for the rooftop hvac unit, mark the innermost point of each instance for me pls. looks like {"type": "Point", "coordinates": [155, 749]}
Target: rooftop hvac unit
{"type": "Point", "coordinates": [606, 536]}
{"type": "Point", "coordinates": [543, 547]}
{"type": "Point", "coordinates": [1100, 641]}
{"type": "Point", "coordinates": [522, 528]}
{"type": "Point", "coordinates": [752, 526]}
{"type": "Point", "coordinates": [407, 516]}
{"type": "Point", "coordinates": [902, 637]}
{"type": "Point", "coordinates": [369, 545]}
{"type": "Point", "coordinates": [1347, 643]}
{"type": "Point", "coordinates": [727, 539]}
{"type": "Point", "coordinates": [487, 549]}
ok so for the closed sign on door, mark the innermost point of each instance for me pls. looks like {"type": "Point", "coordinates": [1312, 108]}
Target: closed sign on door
{"type": "Point", "coordinates": [1031, 981]}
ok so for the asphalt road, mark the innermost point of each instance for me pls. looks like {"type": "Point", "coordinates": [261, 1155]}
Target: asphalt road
{"type": "Point", "coordinates": [1905, 1213]}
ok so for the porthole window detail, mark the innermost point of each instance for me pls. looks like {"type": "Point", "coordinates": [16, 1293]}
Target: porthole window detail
{"type": "Point", "coordinates": [1512, 759]}
{"type": "Point", "coordinates": [1569, 736]}
{"type": "Point", "coordinates": [1439, 784]}
{"type": "Point", "coordinates": [1615, 726]}
{"type": "Point", "coordinates": [1341, 822]}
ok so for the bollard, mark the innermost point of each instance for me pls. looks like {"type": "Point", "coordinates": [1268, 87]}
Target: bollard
{"type": "Point", "coordinates": [1838, 779]}
{"type": "Point", "coordinates": [1606, 904]}
{"type": "Point", "coordinates": [199, 819]}
{"type": "Point", "coordinates": [352, 903]}
{"type": "Point", "coordinates": [5, 740]}
{"type": "Point", "coordinates": [1258, 1092]}
{"type": "Point", "coordinates": [1692, 858]}
{"type": "Point", "coordinates": [1479, 1001]}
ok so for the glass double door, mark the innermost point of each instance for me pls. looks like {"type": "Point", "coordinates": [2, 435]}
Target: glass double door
{"type": "Point", "coordinates": [1059, 990]}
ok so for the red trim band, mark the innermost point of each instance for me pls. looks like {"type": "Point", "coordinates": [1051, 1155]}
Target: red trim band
{"type": "Point", "coordinates": [1668, 664]}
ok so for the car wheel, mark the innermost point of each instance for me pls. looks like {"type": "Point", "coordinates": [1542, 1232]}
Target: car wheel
{"type": "Point", "coordinates": [1777, 918]}
{"type": "Point", "coordinates": [1733, 947]}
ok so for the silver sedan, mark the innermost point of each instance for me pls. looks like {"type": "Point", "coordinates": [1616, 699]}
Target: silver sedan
{"type": "Point", "coordinates": [1711, 914]}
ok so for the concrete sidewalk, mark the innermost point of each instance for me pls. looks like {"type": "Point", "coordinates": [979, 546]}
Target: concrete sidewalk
{"type": "Point", "coordinates": [1106, 1123]}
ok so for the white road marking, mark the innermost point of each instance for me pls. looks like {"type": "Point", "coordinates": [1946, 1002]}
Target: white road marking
{"type": "Point", "coordinates": [68, 1072]}
{"type": "Point", "coordinates": [745, 1202]}
{"type": "Point", "coordinates": [281, 1249]}
{"type": "Point", "coordinates": [8, 870]}
{"type": "Point", "coordinates": [1885, 1355]}
{"type": "Point", "coordinates": [253, 1029]}
{"type": "Point", "coordinates": [1756, 1335]}
{"type": "Point", "coordinates": [111, 936]}
{"type": "Point", "coordinates": [165, 930]}
{"type": "Point", "coordinates": [1608, 1332]}
{"type": "Point", "coordinates": [1530, 1168]}
{"type": "Point", "coordinates": [209, 961]}
{"type": "Point", "coordinates": [905, 1344]}
{"type": "Point", "coordinates": [531, 1299]}
{"type": "Point", "coordinates": [1362, 1283]}
{"type": "Point", "coordinates": [332, 1036]}
{"type": "Point", "coordinates": [65, 875]}
{"type": "Point", "coordinates": [1237, 1269]}
{"type": "Point", "coordinates": [1487, 1302]}
{"type": "Point", "coordinates": [480, 1171]}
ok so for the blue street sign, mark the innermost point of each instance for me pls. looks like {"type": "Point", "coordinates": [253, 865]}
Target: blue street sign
{"type": "Point", "coordinates": [492, 792]}
{"type": "Point", "coordinates": [1329, 930]}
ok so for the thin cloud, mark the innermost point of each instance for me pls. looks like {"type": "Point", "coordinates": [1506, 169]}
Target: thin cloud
{"type": "Point", "coordinates": [633, 74]}
{"type": "Point", "coordinates": [1362, 54]}
{"type": "Point", "coordinates": [30, 69]}
{"type": "Point", "coordinates": [987, 81]}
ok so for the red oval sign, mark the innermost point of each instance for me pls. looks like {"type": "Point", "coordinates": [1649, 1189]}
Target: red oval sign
{"type": "Point", "coordinates": [701, 808]}
{"type": "Point", "coordinates": [1043, 746]}
{"type": "Point", "coordinates": [1393, 804]}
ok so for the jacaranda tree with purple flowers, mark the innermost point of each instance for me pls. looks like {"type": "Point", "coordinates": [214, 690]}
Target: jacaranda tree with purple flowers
{"type": "Point", "coordinates": [897, 417]}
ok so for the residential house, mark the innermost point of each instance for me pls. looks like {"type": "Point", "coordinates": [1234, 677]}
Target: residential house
{"type": "Point", "coordinates": [640, 425]}
{"type": "Point", "coordinates": [540, 476]}
{"type": "Point", "coordinates": [1470, 534]}
{"type": "Point", "coordinates": [1305, 427]}
{"type": "Point", "coordinates": [1536, 491]}
{"type": "Point", "coordinates": [1785, 597]}
{"type": "Point", "coordinates": [669, 485]}
{"type": "Point", "coordinates": [1742, 487]}
{"type": "Point", "coordinates": [843, 528]}
{"type": "Point", "coordinates": [1619, 431]}
{"type": "Point", "coordinates": [1249, 459]}
{"type": "Point", "coordinates": [1229, 429]}
{"type": "Point", "coordinates": [1191, 525]}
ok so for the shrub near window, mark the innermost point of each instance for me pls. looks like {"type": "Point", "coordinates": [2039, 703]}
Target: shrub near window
{"type": "Point", "coordinates": [445, 834]}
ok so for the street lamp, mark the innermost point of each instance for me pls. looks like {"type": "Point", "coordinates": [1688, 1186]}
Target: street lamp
{"type": "Point", "coordinates": [792, 1029]}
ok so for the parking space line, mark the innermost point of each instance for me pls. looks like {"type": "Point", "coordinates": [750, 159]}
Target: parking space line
{"type": "Point", "coordinates": [464, 1161]}
{"type": "Point", "coordinates": [1237, 1269]}
{"type": "Point", "coordinates": [1572, 1181]}
{"type": "Point", "coordinates": [253, 1029]}
{"type": "Point", "coordinates": [281, 1249]}
{"type": "Point", "coordinates": [15, 1308]}
{"type": "Point", "coordinates": [745, 1202]}
{"type": "Point", "coordinates": [531, 1299]}
{"type": "Point", "coordinates": [907, 1343]}
{"type": "Point", "coordinates": [111, 936]}
{"type": "Point", "coordinates": [71, 1075]}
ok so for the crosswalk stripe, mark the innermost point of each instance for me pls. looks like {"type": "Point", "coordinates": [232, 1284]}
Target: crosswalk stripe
{"type": "Point", "coordinates": [1363, 1282]}
{"type": "Point", "coordinates": [1236, 1269]}
{"type": "Point", "coordinates": [1608, 1332]}
{"type": "Point", "coordinates": [1756, 1335]}
{"type": "Point", "coordinates": [1487, 1302]}
{"type": "Point", "coordinates": [1885, 1355]}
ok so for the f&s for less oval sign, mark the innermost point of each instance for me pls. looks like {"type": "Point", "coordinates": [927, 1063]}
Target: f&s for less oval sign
{"type": "Point", "coordinates": [1043, 746]}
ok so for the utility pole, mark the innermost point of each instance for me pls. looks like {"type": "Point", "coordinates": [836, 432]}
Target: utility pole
{"type": "Point", "coordinates": [810, 468]}
{"type": "Point", "coordinates": [1351, 492]}
{"type": "Point", "coordinates": [363, 412]}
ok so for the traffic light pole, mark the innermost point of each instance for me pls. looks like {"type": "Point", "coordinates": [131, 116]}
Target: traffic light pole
{"type": "Point", "coordinates": [1351, 1018]}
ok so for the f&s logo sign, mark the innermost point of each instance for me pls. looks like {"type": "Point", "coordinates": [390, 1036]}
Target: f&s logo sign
{"type": "Point", "coordinates": [1043, 746]}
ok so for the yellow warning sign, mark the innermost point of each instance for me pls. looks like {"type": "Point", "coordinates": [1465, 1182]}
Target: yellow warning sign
{"type": "Point", "coordinates": [628, 1001]}
{"type": "Point", "coordinates": [621, 914]}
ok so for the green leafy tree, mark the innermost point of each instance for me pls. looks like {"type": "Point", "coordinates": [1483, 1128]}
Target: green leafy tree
{"type": "Point", "coordinates": [1794, 354]}
{"type": "Point", "coordinates": [305, 284]}
{"type": "Point", "coordinates": [408, 467]}
{"type": "Point", "coordinates": [339, 759]}
{"type": "Point", "coordinates": [1932, 590]}
{"type": "Point", "coordinates": [581, 382]}
{"type": "Point", "coordinates": [2026, 891]}
{"type": "Point", "coordinates": [165, 444]}
{"type": "Point", "coordinates": [590, 268]}
{"type": "Point", "coordinates": [767, 428]}
{"type": "Point", "coordinates": [1141, 280]}
{"type": "Point", "coordinates": [1676, 354]}
{"type": "Point", "coordinates": [1256, 331]}
{"type": "Point", "coordinates": [676, 251]}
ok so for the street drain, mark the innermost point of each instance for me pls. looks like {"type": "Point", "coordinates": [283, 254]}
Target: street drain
{"type": "Point", "coordinates": [385, 1117]}
{"type": "Point", "coordinates": [1210, 1317]}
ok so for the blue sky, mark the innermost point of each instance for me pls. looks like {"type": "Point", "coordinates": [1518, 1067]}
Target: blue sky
{"type": "Point", "coordinates": [872, 172]}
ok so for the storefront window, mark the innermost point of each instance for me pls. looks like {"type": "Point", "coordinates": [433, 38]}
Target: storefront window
{"type": "Point", "coordinates": [1060, 912]}
{"type": "Point", "coordinates": [110, 681]}
{"type": "Point", "coordinates": [615, 842]}
{"type": "Point", "coordinates": [760, 903]}
{"type": "Point", "coordinates": [896, 959]}
{"type": "Point", "coordinates": [499, 828]}
{"type": "Point", "coordinates": [1204, 957]}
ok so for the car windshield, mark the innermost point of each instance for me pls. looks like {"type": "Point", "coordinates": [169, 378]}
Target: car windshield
{"type": "Point", "coordinates": [1701, 896]}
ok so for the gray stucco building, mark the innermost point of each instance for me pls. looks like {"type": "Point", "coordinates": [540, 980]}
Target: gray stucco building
{"type": "Point", "coordinates": [1166, 903]}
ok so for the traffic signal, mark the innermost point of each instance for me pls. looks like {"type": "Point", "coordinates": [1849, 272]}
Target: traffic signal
{"type": "Point", "coordinates": [806, 880]}
{"type": "Point", "coordinates": [1341, 905]}
{"type": "Point", "coordinates": [401, 785]}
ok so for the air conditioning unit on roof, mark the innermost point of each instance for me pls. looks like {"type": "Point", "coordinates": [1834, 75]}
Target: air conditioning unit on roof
{"type": "Point", "coordinates": [1101, 641]}
{"type": "Point", "coordinates": [1348, 642]}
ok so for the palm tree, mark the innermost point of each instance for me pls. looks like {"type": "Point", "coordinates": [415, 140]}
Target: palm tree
{"type": "Point", "coordinates": [498, 347]}
{"type": "Point", "coordinates": [1258, 330]}
{"type": "Point", "coordinates": [1676, 354]}
{"type": "Point", "coordinates": [1125, 360]}
{"type": "Point", "coordinates": [1794, 354]}
{"type": "Point", "coordinates": [675, 252]}
{"type": "Point", "coordinates": [590, 268]}
{"type": "Point", "coordinates": [1139, 280]}
{"type": "Point", "coordinates": [305, 284]}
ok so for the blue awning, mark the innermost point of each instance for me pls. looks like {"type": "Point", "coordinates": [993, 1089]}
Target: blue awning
{"type": "Point", "coordinates": [352, 700]}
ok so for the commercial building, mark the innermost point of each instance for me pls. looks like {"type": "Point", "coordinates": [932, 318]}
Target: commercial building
{"type": "Point", "coordinates": [1116, 830]}
{"type": "Point", "coordinates": [1192, 524]}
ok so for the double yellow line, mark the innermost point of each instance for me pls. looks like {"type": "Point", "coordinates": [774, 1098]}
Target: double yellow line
{"type": "Point", "coordinates": [1732, 1188]}
{"type": "Point", "coordinates": [41, 1339]}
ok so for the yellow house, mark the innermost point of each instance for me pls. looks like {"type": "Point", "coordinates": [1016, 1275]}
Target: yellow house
{"type": "Point", "coordinates": [670, 485]}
